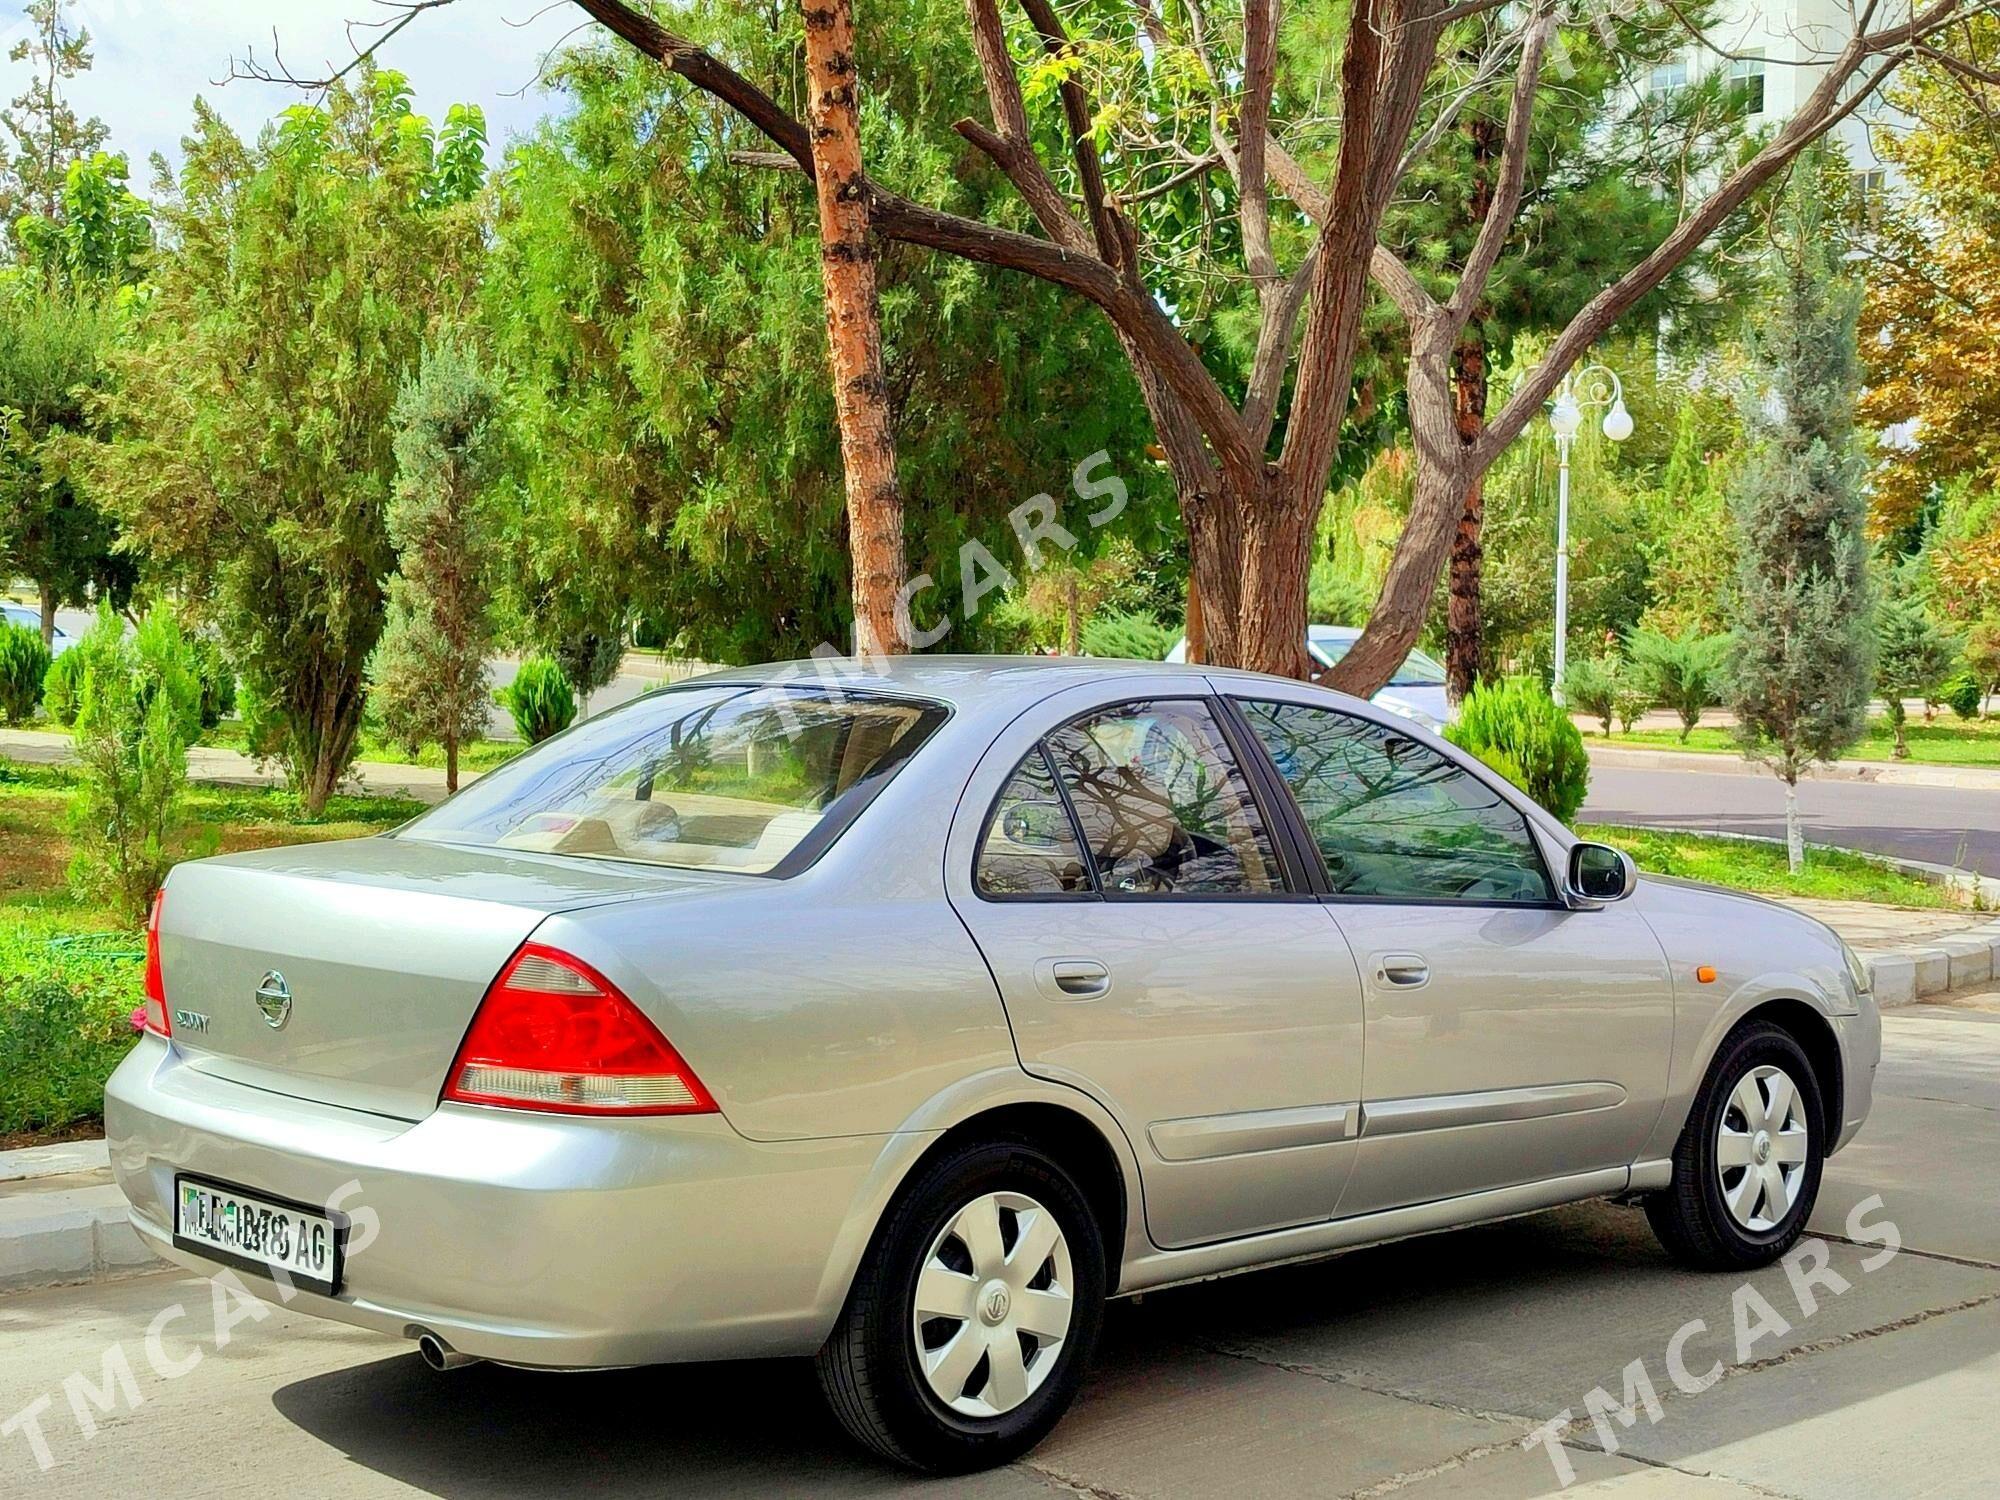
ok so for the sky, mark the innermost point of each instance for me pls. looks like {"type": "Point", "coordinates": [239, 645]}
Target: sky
{"type": "Point", "coordinates": [154, 56]}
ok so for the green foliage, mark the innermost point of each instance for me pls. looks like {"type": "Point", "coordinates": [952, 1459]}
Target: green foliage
{"type": "Point", "coordinates": [217, 679]}
{"type": "Point", "coordinates": [1962, 693]}
{"type": "Point", "coordinates": [1126, 634]}
{"type": "Point", "coordinates": [1801, 613]}
{"type": "Point", "coordinates": [1982, 653]}
{"type": "Point", "coordinates": [253, 456]}
{"type": "Point", "coordinates": [62, 685]}
{"type": "Point", "coordinates": [429, 672]}
{"type": "Point", "coordinates": [1593, 683]}
{"type": "Point", "coordinates": [65, 1022]}
{"type": "Point", "coordinates": [539, 698]}
{"type": "Point", "coordinates": [1687, 674]}
{"type": "Point", "coordinates": [139, 710]}
{"type": "Point", "coordinates": [52, 348]}
{"type": "Point", "coordinates": [660, 311]}
{"type": "Point", "coordinates": [102, 236]}
{"type": "Point", "coordinates": [1519, 730]}
{"type": "Point", "coordinates": [40, 134]}
{"type": "Point", "coordinates": [1914, 655]}
{"type": "Point", "coordinates": [24, 663]}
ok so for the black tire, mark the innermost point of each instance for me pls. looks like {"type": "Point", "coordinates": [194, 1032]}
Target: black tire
{"type": "Point", "coordinates": [868, 1368]}
{"type": "Point", "coordinates": [1690, 1215]}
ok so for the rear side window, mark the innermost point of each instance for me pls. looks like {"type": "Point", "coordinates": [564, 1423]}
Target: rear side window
{"type": "Point", "coordinates": [734, 777]}
{"type": "Point", "coordinates": [1030, 847]}
{"type": "Point", "coordinates": [1395, 820]}
{"type": "Point", "coordinates": [1163, 807]}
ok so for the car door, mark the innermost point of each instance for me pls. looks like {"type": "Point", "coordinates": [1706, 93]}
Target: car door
{"type": "Point", "coordinates": [1155, 947]}
{"type": "Point", "coordinates": [1510, 1038]}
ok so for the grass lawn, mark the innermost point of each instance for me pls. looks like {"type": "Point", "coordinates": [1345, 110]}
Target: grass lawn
{"type": "Point", "coordinates": [70, 971]}
{"type": "Point", "coordinates": [1829, 875]}
{"type": "Point", "coordinates": [1951, 741]}
{"type": "Point", "coordinates": [480, 755]}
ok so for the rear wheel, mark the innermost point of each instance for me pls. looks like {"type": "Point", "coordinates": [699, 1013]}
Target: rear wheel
{"type": "Point", "coordinates": [973, 1316]}
{"type": "Point", "coordinates": [1747, 1166]}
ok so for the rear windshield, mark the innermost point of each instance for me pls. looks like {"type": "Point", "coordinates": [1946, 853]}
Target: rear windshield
{"type": "Point", "coordinates": [730, 778]}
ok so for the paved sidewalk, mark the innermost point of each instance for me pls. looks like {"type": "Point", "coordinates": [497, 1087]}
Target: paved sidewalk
{"type": "Point", "coordinates": [226, 767]}
{"type": "Point", "coordinates": [1719, 763]}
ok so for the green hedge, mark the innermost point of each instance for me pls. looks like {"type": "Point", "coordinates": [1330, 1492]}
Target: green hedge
{"type": "Point", "coordinates": [66, 1006]}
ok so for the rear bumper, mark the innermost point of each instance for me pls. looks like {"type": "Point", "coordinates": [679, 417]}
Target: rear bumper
{"type": "Point", "coordinates": [535, 1239]}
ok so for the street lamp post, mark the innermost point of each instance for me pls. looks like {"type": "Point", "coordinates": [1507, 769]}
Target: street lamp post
{"type": "Point", "coordinates": [1594, 386]}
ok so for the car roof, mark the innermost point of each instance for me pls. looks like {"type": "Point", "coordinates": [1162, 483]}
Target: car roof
{"type": "Point", "coordinates": [971, 681]}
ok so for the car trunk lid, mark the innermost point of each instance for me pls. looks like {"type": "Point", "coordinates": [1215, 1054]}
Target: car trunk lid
{"type": "Point", "coordinates": [348, 972]}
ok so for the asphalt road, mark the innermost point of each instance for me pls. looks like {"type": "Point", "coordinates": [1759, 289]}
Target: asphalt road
{"type": "Point", "coordinates": [1414, 1370]}
{"type": "Point", "coordinates": [1947, 826]}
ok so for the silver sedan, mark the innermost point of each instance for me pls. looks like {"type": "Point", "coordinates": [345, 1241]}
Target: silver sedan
{"type": "Point", "coordinates": [900, 1015]}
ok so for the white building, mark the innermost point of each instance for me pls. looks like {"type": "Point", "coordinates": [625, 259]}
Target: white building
{"type": "Point", "coordinates": [1779, 51]}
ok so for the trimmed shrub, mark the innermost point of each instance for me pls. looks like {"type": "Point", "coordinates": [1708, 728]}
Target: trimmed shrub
{"type": "Point", "coordinates": [1524, 734]}
{"type": "Point", "coordinates": [1962, 694]}
{"type": "Point", "coordinates": [1140, 637]}
{"type": "Point", "coordinates": [1685, 673]}
{"type": "Point", "coordinates": [1592, 684]}
{"type": "Point", "coordinates": [62, 686]}
{"type": "Point", "coordinates": [24, 663]}
{"type": "Point", "coordinates": [65, 1023]}
{"type": "Point", "coordinates": [139, 710]}
{"type": "Point", "coordinates": [540, 699]}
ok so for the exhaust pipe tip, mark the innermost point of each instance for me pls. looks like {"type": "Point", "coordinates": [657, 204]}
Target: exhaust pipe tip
{"type": "Point", "coordinates": [439, 1355]}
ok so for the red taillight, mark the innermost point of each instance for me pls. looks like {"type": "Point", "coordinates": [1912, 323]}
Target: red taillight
{"type": "Point", "coordinates": [156, 984]}
{"type": "Point", "coordinates": [554, 1034]}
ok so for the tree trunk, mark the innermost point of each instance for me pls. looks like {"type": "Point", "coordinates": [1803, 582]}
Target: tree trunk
{"type": "Point", "coordinates": [1073, 623]}
{"type": "Point", "coordinates": [48, 616]}
{"type": "Point", "coordinates": [1465, 625]}
{"type": "Point", "coordinates": [1277, 557]}
{"type": "Point", "coordinates": [1442, 479]}
{"type": "Point", "coordinates": [854, 329]}
{"type": "Point", "coordinates": [1197, 640]}
{"type": "Point", "coordinates": [1795, 838]}
{"type": "Point", "coordinates": [451, 764]}
{"type": "Point", "coordinates": [1465, 630]}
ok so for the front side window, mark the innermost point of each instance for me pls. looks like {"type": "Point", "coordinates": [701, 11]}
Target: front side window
{"type": "Point", "coordinates": [733, 777]}
{"type": "Point", "coordinates": [1162, 804]}
{"type": "Point", "coordinates": [1030, 847]}
{"type": "Point", "coordinates": [1395, 820]}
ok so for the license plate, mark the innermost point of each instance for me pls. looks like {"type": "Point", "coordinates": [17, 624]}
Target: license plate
{"type": "Point", "coordinates": [258, 1233]}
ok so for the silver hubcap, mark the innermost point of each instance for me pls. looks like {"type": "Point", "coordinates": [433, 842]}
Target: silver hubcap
{"type": "Point", "coordinates": [1760, 1148]}
{"type": "Point", "coordinates": [993, 1304]}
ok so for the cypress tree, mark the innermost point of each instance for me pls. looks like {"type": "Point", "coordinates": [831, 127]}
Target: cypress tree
{"type": "Point", "coordinates": [1802, 613]}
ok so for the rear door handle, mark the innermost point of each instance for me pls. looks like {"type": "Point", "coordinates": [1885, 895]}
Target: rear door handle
{"type": "Point", "coordinates": [1406, 971]}
{"type": "Point", "coordinates": [1072, 978]}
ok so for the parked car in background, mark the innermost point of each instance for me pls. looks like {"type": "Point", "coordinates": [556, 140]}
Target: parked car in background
{"type": "Point", "coordinates": [21, 614]}
{"type": "Point", "coordinates": [898, 1014]}
{"type": "Point", "coordinates": [1417, 691]}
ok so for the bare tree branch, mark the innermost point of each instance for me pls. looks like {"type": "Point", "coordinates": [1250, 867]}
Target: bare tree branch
{"type": "Point", "coordinates": [1499, 223]}
{"type": "Point", "coordinates": [1012, 147]}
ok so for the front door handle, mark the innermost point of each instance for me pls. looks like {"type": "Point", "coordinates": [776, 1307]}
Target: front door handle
{"type": "Point", "coordinates": [1072, 978]}
{"type": "Point", "coordinates": [1406, 971]}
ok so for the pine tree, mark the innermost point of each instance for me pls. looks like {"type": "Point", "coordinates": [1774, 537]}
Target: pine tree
{"type": "Point", "coordinates": [1805, 647]}
{"type": "Point", "coordinates": [429, 672]}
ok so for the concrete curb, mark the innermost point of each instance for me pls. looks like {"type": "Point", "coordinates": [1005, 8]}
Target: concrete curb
{"type": "Point", "coordinates": [72, 1235]}
{"type": "Point", "coordinates": [1722, 763]}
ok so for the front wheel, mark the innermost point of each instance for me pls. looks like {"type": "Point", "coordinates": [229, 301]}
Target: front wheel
{"type": "Point", "coordinates": [971, 1320]}
{"type": "Point", "coordinates": [1747, 1166]}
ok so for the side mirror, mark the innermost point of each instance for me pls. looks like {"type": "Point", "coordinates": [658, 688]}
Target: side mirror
{"type": "Point", "coordinates": [1599, 873]}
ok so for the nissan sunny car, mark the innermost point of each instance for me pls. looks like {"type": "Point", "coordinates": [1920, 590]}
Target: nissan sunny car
{"type": "Point", "coordinates": [898, 1015]}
